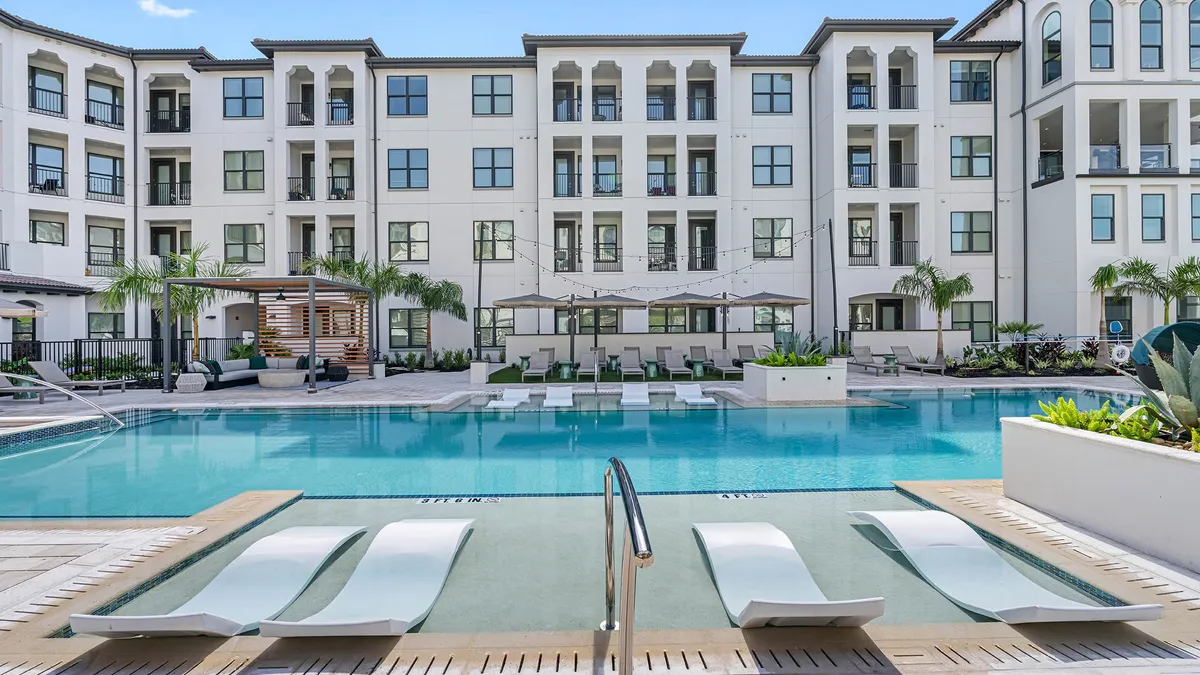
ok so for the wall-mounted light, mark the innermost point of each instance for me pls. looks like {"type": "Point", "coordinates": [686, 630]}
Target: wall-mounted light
{"type": "Point", "coordinates": [211, 316]}
{"type": "Point", "coordinates": [281, 297]}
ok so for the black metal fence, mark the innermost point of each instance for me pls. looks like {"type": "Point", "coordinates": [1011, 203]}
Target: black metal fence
{"type": "Point", "coordinates": [135, 359]}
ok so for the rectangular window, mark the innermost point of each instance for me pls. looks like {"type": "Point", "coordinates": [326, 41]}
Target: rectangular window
{"type": "Point", "coordinates": [587, 321]}
{"type": "Point", "coordinates": [408, 328]}
{"type": "Point", "coordinates": [1103, 213]}
{"type": "Point", "coordinates": [772, 165]}
{"type": "Point", "coordinates": [493, 240]}
{"type": "Point", "coordinates": [104, 176]}
{"type": "Point", "coordinates": [493, 325]}
{"type": "Point", "coordinates": [1119, 310]}
{"type": "Point", "coordinates": [244, 170]}
{"type": "Point", "coordinates": [106, 245]}
{"type": "Point", "coordinates": [243, 97]}
{"type": "Point", "coordinates": [772, 93]}
{"type": "Point", "coordinates": [343, 242]}
{"type": "Point", "coordinates": [492, 94]}
{"type": "Point", "coordinates": [970, 156]}
{"type": "Point", "coordinates": [1196, 217]}
{"type": "Point", "coordinates": [105, 105]}
{"type": "Point", "coordinates": [46, 92]}
{"type": "Point", "coordinates": [105, 326]}
{"type": "Point", "coordinates": [772, 319]}
{"type": "Point", "coordinates": [407, 95]}
{"type": "Point", "coordinates": [244, 244]}
{"type": "Point", "coordinates": [1154, 208]}
{"type": "Point", "coordinates": [971, 232]}
{"type": "Point", "coordinates": [1188, 308]}
{"type": "Point", "coordinates": [47, 232]}
{"type": "Point", "coordinates": [970, 81]}
{"type": "Point", "coordinates": [408, 242]}
{"type": "Point", "coordinates": [408, 169]}
{"type": "Point", "coordinates": [862, 316]}
{"type": "Point", "coordinates": [772, 237]}
{"type": "Point", "coordinates": [668, 319]}
{"type": "Point", "coordinates": [973, 316]}
{"type": "Point", "coordinates": [493, 167]}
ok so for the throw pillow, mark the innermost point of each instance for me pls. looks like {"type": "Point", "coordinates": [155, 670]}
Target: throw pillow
{"type": "Point", "coordinates": [213, 366]}
{"type": "Point", "coordinates": [302, 363]}
{"type": "Point", "coordinates": [199, 367]}
{"type": "Point", "coordinates": [258, 363]}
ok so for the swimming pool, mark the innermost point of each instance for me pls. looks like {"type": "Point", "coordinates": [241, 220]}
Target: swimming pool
{"type": "Point", "coordinates": [187, 461]}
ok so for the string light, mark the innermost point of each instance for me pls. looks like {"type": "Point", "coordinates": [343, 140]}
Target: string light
{"type": "Point", "coordinates": [803, 236]}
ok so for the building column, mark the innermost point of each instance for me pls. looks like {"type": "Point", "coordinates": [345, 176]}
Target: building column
{"type": "Point", "coordinates": [1176, 40]}
{"type": "Point", "coordinates": [1128, 35]}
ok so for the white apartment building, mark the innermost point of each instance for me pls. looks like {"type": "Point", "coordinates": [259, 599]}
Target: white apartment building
{"type": "Point", "coordinates": [642, 166]}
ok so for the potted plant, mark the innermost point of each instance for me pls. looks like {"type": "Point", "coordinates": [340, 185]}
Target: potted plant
{"type": "Point", "coordinates": [788, 374]}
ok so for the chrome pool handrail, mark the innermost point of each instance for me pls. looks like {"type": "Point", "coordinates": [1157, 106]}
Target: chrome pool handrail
{"type": "Point", "coordinates": [636, 554]}
{"type": "Point", "coordinates": [68, 392]}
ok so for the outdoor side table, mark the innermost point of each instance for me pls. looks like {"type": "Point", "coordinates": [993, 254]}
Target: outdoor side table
{"type": "Point", "coordinates": [191, 383]}
{"type": "Point", "coordinates": [651, 368]}
{"type": "Point", "coordinates": [614, 362]}
{"type": "Point", "coordinates": [564, 369]}
{"type": "Point", "coordinates": [524, 363]}
{"type": "Point", "coordinates": [697, 369]}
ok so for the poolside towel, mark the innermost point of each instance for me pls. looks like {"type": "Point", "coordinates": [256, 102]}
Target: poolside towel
{"type": "Point", "coordinates": [763, 580]}
{"type": "Point", "coordinates": [559, 397]}
{"type": "Point", "coordinates": [259, 584]}
{"type": "Point", "coordinates": [635, 393]}
{"type": "Point", "coordinates": [394, 586]}
{"type": "Point", "coordinates": [691, 394]}
{"type": "Point", "coordinates": [957, 562]}
{"type": "Point", "coordinates": [511, 398]}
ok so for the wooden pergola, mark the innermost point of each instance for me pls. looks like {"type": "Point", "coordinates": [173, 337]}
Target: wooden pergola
{"type": "Point", "coordinates": [349, 310]}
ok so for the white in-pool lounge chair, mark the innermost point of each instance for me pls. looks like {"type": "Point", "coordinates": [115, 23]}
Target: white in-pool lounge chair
{"type": "Point", "coordinates": [691, 394]}
{"type": "Point", "coordinates": [258, 585]}
{"type": "Point", "coordinates": [635, 393]}
{"type": "Point", "coordinates": [957, 562]}
{"type": "Point", "coordinates": [510, 399]}
{"type": "Point", "coordinates": [394, 586]}
{"type": "Point", "coordinates": [763, 581]}
{"type": "Point", "coordinates": [559, 397]}
{"type": "Point", "coordinates": [50, 372]}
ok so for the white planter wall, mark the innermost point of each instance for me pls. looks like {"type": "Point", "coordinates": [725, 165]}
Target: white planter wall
{"type": "Point", "coordinates": [1139, 494]}
{"type": "Point", "coordinates": [826, 383]}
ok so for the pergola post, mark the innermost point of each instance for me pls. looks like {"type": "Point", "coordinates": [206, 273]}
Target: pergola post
{"type": "Point", "coordinates": [725, 321]}
{"type": "Point", "coordinates": [371, 337]}
{"type": "Point", "coordinates": [312, 336]}
{"type": "Point", "coordinates": [165, 334]}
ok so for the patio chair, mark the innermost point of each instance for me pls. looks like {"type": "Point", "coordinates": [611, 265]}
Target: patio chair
{"type": "Point", "coordinates": [762, 352]}
{"type": "Point", "coordinates": [635, 393]}
{"type": "Point", "coordinates": [862, 357]}
{"type": "Point", "coordinates": [539, 366]}
{"type": "Point", "coordinates": [7, 387]}
{"type": "Point", "coordinates": [559, 397]}
{"type": "Point", "coordinates": [511, 399]}
{"type": "Point", "coordinates": [660, 353]}
{"type": "Point", "coordinates": [674, 364]}
{"type": "Point", "coordinates": [905, 358]}
{"type": "Point", "coordinates": [723, 363]}
{"type": "Point", "coordinates": [699, 354]}
{"type": "Point", "coordinates": [745, 353]}
{"type": "Point", "coordinates": [588, 365]}
{"type": "Point", "coordinates": [692, 395]}
{"type": "Point", "coordinates": [631, 364]}
{"type": "Point", "coordinates": [549, 353]}
{"type": "Point", "coordinates": [50, 372]}
{"type": "Point", "coordinates": [638, 351]}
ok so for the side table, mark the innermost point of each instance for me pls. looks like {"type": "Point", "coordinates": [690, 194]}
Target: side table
{"type": "Point", "coordinates": [190, 383]}
{"type": "Point", "coordinates": [651, 368]}
{"type": "Point", "coordinates": [564, 369]}
{"type": "Point", "coordinates": [524, 363]}
{"type": "Point", "coordinates": [614, 362]}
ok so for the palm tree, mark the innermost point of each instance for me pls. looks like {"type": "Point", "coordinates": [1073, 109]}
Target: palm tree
{"type": "Point", "coordinates": [1139, 275]}
{"type": "Point", "coordinates": [930, 284]}
{"type": "Point", "coordinates": [433, 296]}
{"type": "Point", "coordinates": [383, 280]}
{"type": "Point", "coordinates": [140, 280]}
{"type": "Point", "coordinates": [1104, 279]}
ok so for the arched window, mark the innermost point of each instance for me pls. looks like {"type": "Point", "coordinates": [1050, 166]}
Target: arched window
{"type": "Point", "coordinates": [1052, 48]}
{"type": "Point", "coordinates": [1102, 34]}
{"type": "Point", "coordinates": [1194, 33]}
{"type": "Point", "coordinates": [1152, 35]}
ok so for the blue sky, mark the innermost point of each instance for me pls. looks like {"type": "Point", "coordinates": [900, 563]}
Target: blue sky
{"type": "Point", "coordinates": [454, 27]}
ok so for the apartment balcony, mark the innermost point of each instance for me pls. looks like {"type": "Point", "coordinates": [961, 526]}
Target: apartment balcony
{"type": "Point", "coordinates": [661, 258]}
{"type": "Point", "coordinates": [4, 257]}
{"type": "Point", "coordinates": [702, 183]}
{"type": "Point", "coordinates": [301, 189]}
{"type": "Point", "coordinates": [343, 255]}
{"type": "Point", "coordinates": [860, 97]}
{"type": "Point", "coordinates": [660, 111]}
{"type": "Point", "coordinates": [905, 253]}
{"type": "Point", "coordinates": [607, 258]}
{"type": "Point", "coordinates": [168, 266]}
{"type": "Point", "coordinates": [903, 175]}
{"type": "Point", "coordinates": [606, 185]}
{"type": "Point", "coordinates": [47, 181]}
{"type": "Point", "coordinates": [702, 258]}
{"type": "Point", "coordinates": [296, 262]}
{"type": "Point", "coordinates": [1106, 159]}
{"type": "Point", "coordinates": [1050, 166]}
{"type": "Point", "coordinates": [568, 110]}
{"type": "Point", "coordinates": [568, 185]}
{"type": "Point", "coordinates": [568, 259]}
{"type": "Point", "coordinates": [47, 102]}
{"type": "Point", "coordinates": [341, 187]}
{"type": "Point", "coordinates": [1156, 157]}
{"type": "Point", "coordinates": [863, 252]}
{"type": "Point", "coordinates": [104, 114]}
{"type": "Point", "coordinates": [102, 188]}
{"type": "Point", "coordinates": [702, 108]}
{"type": "Point", "coordinates": [169, 194]}
{"type": "Point", "coordinates": [102, 263]}
{"type": "Point", "coordinates": [339, 113]}
{"type": "Point", "coordinates": [862, 175]}
{"type": "Point", "coordinates": [902, 97]}
{"type": "Point", "coordinates": [660, 184]}
{"type": "Point", "coordinates": [168, 121]}
{"type": "Point", "coordinates": [301, 114]}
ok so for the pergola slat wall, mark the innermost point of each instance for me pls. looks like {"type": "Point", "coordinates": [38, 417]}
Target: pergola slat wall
{"type": "Point", "coordinates": [341, 327]}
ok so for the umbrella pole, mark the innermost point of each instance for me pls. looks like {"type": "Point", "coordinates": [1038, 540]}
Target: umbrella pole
{"type": "Point", "coordinates": [725, 321]}
{"type": "Point", "coordinates": [571, 325]}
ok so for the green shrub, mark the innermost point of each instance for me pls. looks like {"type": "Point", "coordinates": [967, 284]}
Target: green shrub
{"type": "Point", "coordinates": [241, 350]}
{"type": "Point", "coordinates": [791, 360]}
{"type": "Point", "coordinates": [1064, 413]}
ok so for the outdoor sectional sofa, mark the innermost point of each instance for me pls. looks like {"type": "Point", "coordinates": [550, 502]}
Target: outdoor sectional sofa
{"type": "Point", "coordinates": [238, 371]}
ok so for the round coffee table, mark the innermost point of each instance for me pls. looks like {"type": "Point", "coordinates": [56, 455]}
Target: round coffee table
{"type": "Point", "coordinates": [279, 379]}
{"type": "Point", "coordinates": [190, 383]}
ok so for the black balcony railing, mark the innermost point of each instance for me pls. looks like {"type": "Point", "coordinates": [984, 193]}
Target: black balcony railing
{"type": "Point", "coordinates": [105, 114]}
{"type": "Point", "coordinates": [102, 188]}
{"type": "Point", "coordinates": [661, 258]}
{"type": "Point", "coordinates": [169, 194]}
{"type": "Point", "coordinates": [606, 110]}
{"type": "Point", "coordinates": [660, 184]}
{"type": "Point", "coordinates": [301, 114]}
{"type": "Point", "coordinates": [341, 187]}
{"type": "Point", "coordinates": [339, 113]}
{"type": "Point", "coordinates": [568, 110]}
{"type": "Point", "coordinates": [168, 121]}
{"type": "Point", "coordinates": [168, 265]}
{"type": "Point", "coordinates": [903, 175]}
{"type": "Point", "coordinates": [606, 185]}
{"type": "Point", "coordinates": [702, 258]}
{"type": "Point", "coordinates": [1106, 157]}
{"type": "Point", "coordinates": [862, 252]}
{"type": "Point", "coordinates": [4, 257]}
{"type": "Point", "coordinates": [568, 260]}
{"type": "Point", "coordinates": [860, 96]}
{"type": "Point", "coordinates": [343, 255]}
{"type": "Point", "coordinates": [45, 180]}
{"type": "Point", "coordinates": [47, 102]}
{"type": "Point", "coordinates": [301, 189]}
{"type": "Point", "coordinates": [101, 263]}
{"type": "Point", "coordinates": [567, 184]}
{"type": "Point", "coordinates": [862, 175]}
{"type": "Point", "coordinates": [902, 97]}
{"type": "Point", "coordinates": [702, 108]}
{"type": "Point", "coordinates": [702, 183]}
{"type": "Point", "coordinates": [660, 110]}
{"type": "Point", "coordinates": [607, 258]}
{"type": "Point", "coordinates": [1050, 165]}
{"type": "Point", "coordinates": [905, 253]}
{"type": "Point", "coordinates": [296, 261]}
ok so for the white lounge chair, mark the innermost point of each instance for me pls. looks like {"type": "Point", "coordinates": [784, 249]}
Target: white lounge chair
{"type": "Point", "coordinates": [723, 363]}
{"type": "Point", "coordinates": [258, 585]}
{"type": "Point", "coordinates": [635, 393]}
{"type": "Point", "coordinates": [675, 365]}
{"type": "Point", "coordinates": [763, 580]}
{"type": "Point", "coordinates": [630, 363]}
{"type": "Point", "coordinates": [7, 387]}
{"type": "Point", "coordinates": [394, 586]}
{"type": "Point", "coordinates": [957, 562]}
{"type": "Point", "coordinates": [691, 394]}
{"type": "Point", "coordinates": [510, 399]}
{"type": "Point", "coordinates": [559, 397]}
{"type": "Point", "coordinates": [588, 365]}
{"type": "Point", "coordinates": [539, 366]}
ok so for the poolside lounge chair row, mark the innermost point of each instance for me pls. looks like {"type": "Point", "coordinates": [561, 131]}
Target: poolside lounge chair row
{"type": "Point", "coordinates": [632, 394]}
{"type": "Point", "coordinates": [862, 357]}
{"type": "Point", "coordinates": [49, 371]}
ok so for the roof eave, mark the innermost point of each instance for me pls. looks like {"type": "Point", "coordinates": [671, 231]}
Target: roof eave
{"type": "Point", "coordinates": [973, 47]}
{"type": "Point", "coordinates": [828, 27]}
{"type": "Point", "coordinates": [430, 62]}
{"type": "Point", "coordinates": [216, 65]}
{"type": "Point", "coordinates": [734, 41]}
{"type": "Point", "coordinates": [781, 60]}
{"type": "Point", "coordinates": [269, 47]}
{"type": "Point", "coordinates": [982, 19]}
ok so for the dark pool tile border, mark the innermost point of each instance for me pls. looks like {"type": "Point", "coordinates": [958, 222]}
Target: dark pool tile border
{"type": "Point", "coordinates": [514, 495]}
{"type": "Point", "coordinates": [17, 441]}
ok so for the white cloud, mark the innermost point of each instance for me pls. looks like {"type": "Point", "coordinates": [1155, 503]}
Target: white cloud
{"type": "Point", "coordinates": [155, 8]}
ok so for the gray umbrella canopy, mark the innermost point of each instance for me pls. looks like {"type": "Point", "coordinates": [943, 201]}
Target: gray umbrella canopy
{"type": "Point", "coordinates": [15, 310]}
{"type": "Point", "coordinates": [532, 300]}
{"type": "Point", "coordinates": [689, 300]}
{"type": "Point", "coordinates": [768, 300]}
{"type": "Point", "coordinates": [610, 301]}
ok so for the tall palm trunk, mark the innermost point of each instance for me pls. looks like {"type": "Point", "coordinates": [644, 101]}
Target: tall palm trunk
{"type": "Point", "coordinates": [941, 356]}
{"type": "Point", "coordinates": [1102, 354]}
{"type": "Point", "coordinates": [195, 337]}
{"type": "Point", "coordinates": [428, 339]}
{"type": "Point", "coordinates": [1166, 311]}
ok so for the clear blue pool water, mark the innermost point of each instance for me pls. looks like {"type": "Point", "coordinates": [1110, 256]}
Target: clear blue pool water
{"type": "Point", "coordinates": [186, 462]}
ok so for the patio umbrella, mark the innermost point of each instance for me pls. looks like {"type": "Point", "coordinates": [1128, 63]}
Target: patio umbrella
{"type": "Point", "coordinates": [535, 301]}
{"type": "Point", "coordinates": [15, 310]}
{"type": "Point", "coordinates": [615, 301]}
{"type": "Point", "coordinates": [689, 300]}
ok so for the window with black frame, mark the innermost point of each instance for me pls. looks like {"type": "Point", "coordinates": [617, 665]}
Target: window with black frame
{"type": "Point", "coordinates": [407, 95]}
{"type": "Point", "coordinates": [970, 81]}
{"type": "Point", "coordinates": [1118, 311]}
{"type": "Point", "coordinates": [1154, 217]}
{"type": "Point", "coordinates": [1187, 308]}
{"type": "Point", "coordinates": [772, 237]}
{"type": "Point", "coordinates": [47, 232]}
{"type": "Point", "coordinates": [408, 169]}
{"type": "Point", "coordinates": [772, 93]}
{"type": "Point", "coordinates": [862, 316]}
{"type": "Point", "coordinates": [408, 242]}
{"type": "Point", "coordinates": [46, 174]}
{"type": "Point", "coordinates": [1103, 218]}
{"type": "Point", "coordinates": [973, 316]}
{"type": "Point", "coordinates": [46, 92]}
{"type": "Point", "coordinates": [105, 181]}
{"type": "Point", "coordinates": [1194, 34]}
{"type": "Point", "coordinates": [492, 94]}
{"type": "Point", "coordinates": [493, 325]}
{"type": "Point", "coordinates": [105, 105]}
{"type": "Point", "coordinates": [668, 319]}
{"type": "Point", "coordinates": [106, 246]}
{"type": "Point", "coordinates": [772, 319]}
{"type": "Point", "coordinates": [1151, 33]}
{"type": "Point", "coordinates": [1051, 48]}
{"type": "Point", "coordinates": [243, 97]}
{"type": "Point", "coordinates": [244, 171]}
{"type": "Point", "coordinates": [970, 156]}
{"type": "Point", "coordinates": [244, 244]}
{"type": "Point", "coordinates": [408, 328]}
{"type": "Point", "coordinates": [971, 232]}
{"type": "Point", "coordinates": [493, 240]}
{"type": "Point", "coordinates": [609, 319]}
{"type": "Point", "coordinates": [1101, 16]}
{"type": "Point", "coordinates": [772, 165]}
{"type": "Point", "coordinates": [105, 326]}
{"type": "Point", "coordinates": [493, 167]}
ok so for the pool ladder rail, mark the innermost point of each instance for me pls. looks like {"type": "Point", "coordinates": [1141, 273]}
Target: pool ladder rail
{"type": "Point", "coordinates": [636, 555]}
{"type": "Point", "coordinates": [69, 393]}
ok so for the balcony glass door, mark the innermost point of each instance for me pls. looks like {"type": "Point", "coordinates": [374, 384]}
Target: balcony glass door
{"type": "Point", "coordinates": [660, 173]}
{"type": "Point", "coordinates": [604, 174]}
{"type": "Point", "coordinates": [162, 241]}
{"type": "Point", "coordinates": [566, 179]}
{"type": "Point", "coordinates": [341, 182]}
{"type": "Point", "coordinates": [162, 109]}
{"type": "Point", "coordinates": [566, 246]}
{"type": "Point", "coordinates": [162, 182]}
{"type": "Point", "coordinates": [701, 101]}
{"type": "Point", "coordinates": [862, 167]}
{"type": "Point", "coordinates": [604, 103]}
{"type": "Point", "coordinates": [566, 105]}
{"type": "Point", "coordinates": [890, 314]}
{"type": "Point", "coordinates": [661, 248]}
{"type": "Point", "coordinates": [343, 243]}
{"type": "Point", "coordinates": [704, 245]}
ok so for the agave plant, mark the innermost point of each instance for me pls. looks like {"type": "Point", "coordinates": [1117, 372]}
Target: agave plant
{"type": "Point", "coordinates": [1175, 405]}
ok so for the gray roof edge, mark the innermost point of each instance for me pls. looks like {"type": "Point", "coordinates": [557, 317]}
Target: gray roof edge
{"type": "Point", "coordinates": [269, 47]}
{"type": "Point", "coordinates": [14, 21]}
{"type": "Point", "coordinates": [975, 46]}
{"type": "Point", "coordinates": [982, 19]}
{"type": "Point", "coordinates": [828, 27]}
{"type": "Point", "coordinates": [780, 60]}
{"type": "Point", "coordinates": [453, 62]}
{"type": "Point", "coordinates": [202, 65]}
{"type": "Point", "coordinates": [734, 41]}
